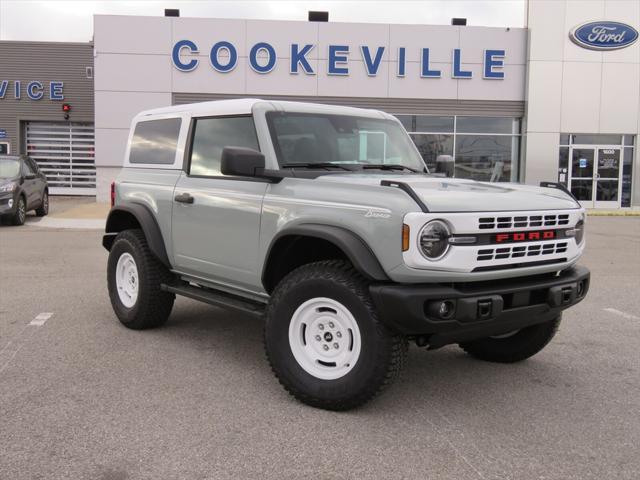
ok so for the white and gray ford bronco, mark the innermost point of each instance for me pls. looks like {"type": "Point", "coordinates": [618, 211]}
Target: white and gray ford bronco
{"type": "Point", "coordinates": [325, 221]}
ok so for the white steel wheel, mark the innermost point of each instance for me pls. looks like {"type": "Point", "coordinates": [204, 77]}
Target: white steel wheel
{"type": "Point", "coordinates": [324, 338]}
{"type": "Point", "coordinates": [127, 280]}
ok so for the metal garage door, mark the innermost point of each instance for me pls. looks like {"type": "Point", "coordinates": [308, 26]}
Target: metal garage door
{"type": "Point", "coordinates": [65, 153]}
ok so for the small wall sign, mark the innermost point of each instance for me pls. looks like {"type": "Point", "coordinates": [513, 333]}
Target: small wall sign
{"type": "Point", "coordinates": [603, 35]}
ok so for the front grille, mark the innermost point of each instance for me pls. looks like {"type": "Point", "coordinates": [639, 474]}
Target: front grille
{"type": "Point", "coordinates": [523, 221]}
{"type": "Point", "coordinates": [519, 251]}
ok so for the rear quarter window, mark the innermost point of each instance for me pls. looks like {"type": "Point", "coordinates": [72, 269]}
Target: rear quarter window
{"type": "Point", "coordinates": [155, 141]}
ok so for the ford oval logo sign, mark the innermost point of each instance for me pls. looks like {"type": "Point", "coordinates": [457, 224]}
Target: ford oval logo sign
{"type": "Point", "coordinates": [603, 35]}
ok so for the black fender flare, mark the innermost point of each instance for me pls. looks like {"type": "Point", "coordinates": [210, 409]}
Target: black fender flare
{"type": "Point", "coordinates": [355, 248]}
{"type": "Point", "coordinates": [148, 223]}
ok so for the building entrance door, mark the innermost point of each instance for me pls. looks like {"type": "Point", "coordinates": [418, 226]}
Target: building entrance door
{"type": "Point", "coordinates": [594, 176]}
{"type": "Point", "coordinates": [607, 181]}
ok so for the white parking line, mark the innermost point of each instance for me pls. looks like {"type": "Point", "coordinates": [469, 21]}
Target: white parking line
{"type": "Point", "coordinates": [11, 349]}
{"type": "Point", "coordinates": [41, 319]}
{"type": "Point", "coordinates": [622, 314]}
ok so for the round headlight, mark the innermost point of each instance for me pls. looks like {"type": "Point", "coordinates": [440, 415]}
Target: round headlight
{"type": "Point", "coordinates": [434, 240]}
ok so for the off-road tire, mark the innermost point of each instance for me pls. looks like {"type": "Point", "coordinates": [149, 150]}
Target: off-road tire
{"type": "Point", "coordinates": [21, 211]}
{"type": "Point", "coordinates": [152, 306]}
{"type": "Point", "coordinates": [43, 209]}
{"type": "Point", "coordinates": [520, 346]}
{"type": "Point", "coordinates": [383, 352]}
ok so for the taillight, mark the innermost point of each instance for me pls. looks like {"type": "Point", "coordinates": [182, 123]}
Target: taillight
{"type": "Point", "coordinates": [113, 193]}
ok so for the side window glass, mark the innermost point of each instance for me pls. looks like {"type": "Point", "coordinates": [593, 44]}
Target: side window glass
{"type": "Point", "coordinates": [155, 141]}
{"type": "Point", "coordinates": [212, 135]}
{"type": "Point", "coordinates": [26, 168]}
{"type": "Point", "coordinates": [33, 165]}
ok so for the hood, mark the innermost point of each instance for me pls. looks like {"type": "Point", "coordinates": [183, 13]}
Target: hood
{"type": "Point", "coordinates": [462, 195]}
{"type": "Point", "coordinates": [4, 180]}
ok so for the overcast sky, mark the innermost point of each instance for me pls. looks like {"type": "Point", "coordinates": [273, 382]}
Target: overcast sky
{"type": "Point", "coordinates": [57, 20]}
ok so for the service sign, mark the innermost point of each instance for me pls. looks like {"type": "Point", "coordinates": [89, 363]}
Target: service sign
{"type": "Point", "coordinates": [603, 35]}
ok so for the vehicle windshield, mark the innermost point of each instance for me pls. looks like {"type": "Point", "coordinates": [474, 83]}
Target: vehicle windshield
{"type": "Point", "coordinates": [313, 139]}
{"type": "Point", "coordinates": [9, 167]}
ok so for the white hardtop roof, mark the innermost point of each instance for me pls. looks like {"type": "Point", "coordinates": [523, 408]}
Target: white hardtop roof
{"type": "Point", "coordinates": [244, 106]}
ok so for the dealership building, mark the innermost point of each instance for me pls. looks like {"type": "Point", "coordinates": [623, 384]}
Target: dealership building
{"type": "Point", "coordinates": [558, 100]}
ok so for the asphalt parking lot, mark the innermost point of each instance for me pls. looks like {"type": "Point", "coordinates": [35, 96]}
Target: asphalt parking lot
{"type": "Point", "coordinates": [82, 397]}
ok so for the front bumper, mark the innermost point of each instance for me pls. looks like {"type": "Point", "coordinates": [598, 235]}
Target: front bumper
{"type": "Point", "coordinates": [478, 309]}
{"type": "Point", "coordinates": [7, 203]}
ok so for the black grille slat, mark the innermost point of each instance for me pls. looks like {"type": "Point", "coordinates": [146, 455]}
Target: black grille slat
{"type": "Point", "coordinates": [521, 221]}
{"type": "Point", "coordinates": [519, 251]}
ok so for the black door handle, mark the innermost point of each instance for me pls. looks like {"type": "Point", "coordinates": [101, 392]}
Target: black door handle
{"type": "Point", "coordinates": [184, 198]}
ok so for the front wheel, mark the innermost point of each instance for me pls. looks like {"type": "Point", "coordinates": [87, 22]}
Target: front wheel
{"type": "Point", "coordinates": [43, 209]}
{"type": "Point", "coordinates": [324, 341]}
{"type": "Point", "coordinates": [134, 278]}
{"type": "Point", "coordinates": [21, 212]}
{"type": "Point", "coordinates": [514, 346]}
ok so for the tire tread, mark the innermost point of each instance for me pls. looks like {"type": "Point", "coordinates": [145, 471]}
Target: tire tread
{"type": "Point", "coordinates": [343, 273]}
{"type": "Point", "coordinates": [154, 306]}
{"type": "Point", "coordinates": [534, 339]}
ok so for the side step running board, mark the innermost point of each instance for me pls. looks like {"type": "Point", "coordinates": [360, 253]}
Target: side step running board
{"type": "Point", "coordinates": [216, 297]}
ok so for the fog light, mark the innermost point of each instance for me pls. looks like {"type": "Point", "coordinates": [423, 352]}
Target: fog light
{"type": "Point", "coordinates": [580, 289]}
{"type": "Point", "coordinates": [446, 309]}
{"type": "Point", "coordinates": [10, 202]}
{"type": "Point", "coordinates": [440, 309]}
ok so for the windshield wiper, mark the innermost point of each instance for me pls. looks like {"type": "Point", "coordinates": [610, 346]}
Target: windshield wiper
{"type": "Point", "coordinates": [315, 165]}
{"type": "Point", "coordinates": [389, 166]}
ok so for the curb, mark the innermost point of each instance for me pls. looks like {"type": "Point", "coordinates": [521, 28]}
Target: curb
{"type": "Point", "coordinates": [70, 223]}
{"type": "Point", "coordinates": [613, 213]}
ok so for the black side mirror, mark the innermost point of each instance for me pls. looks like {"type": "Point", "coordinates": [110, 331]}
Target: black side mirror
{"type": "Point", "coordinates": [30, 176]}
{"type": "Point", "coordinates": [242, 162]}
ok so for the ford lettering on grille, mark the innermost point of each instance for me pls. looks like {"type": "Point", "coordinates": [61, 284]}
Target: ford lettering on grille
{"type": "Point", "coordinates": [533, 236]}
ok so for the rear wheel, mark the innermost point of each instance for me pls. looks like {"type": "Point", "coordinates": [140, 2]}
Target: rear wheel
{"type": "Point", "coordinates": [44, 205]}
{"type": "Point", "coordinates": [21, 211]}
{"type": "Point", "coordinates": [134, 277]}
{"type": "Point", "coordinates": [513, 346]}
{"type": "Point", "coordinates": [324, 341]}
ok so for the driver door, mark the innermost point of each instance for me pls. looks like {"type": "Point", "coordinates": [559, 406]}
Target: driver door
{"type": "Point", "coordinates": [216, 219]}
{"type": "Point", "coordinates": [30, 184]}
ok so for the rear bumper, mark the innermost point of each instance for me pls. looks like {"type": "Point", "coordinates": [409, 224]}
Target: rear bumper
{"type": "Point", "coordinates": [478, 309]}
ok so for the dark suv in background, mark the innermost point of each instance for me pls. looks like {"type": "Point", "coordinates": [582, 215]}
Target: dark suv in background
{"type": "Point", "coordinates": [23, 187]}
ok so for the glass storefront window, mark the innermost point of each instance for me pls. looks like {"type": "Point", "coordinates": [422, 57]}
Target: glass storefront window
{"type": "Point", "coordinates": [427, 123]}
{"type": "Point", "coordinates": [432, 146]}
{"type": "Point", "coordinates": [627, 170]}
{"type": "Point", "coordinates": [580, 139]}
{"type": "Point", "coordinates": [507, 125]}
{"type": "Point", "coordinates": [599, 168]}
{"type": "Point", "coordinates": [563, 166]}
{"type": "Point", "coordinates": [479, 148]}
{"type": "Point", "coordinates": [489, 158]}
{"type": "Point", "coordinates": [433, 124]}
{"type": "Point", "coordinates": [408, 122]}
